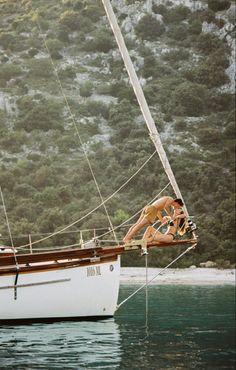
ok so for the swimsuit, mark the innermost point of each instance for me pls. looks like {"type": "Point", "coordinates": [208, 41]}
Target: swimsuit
{"type": "Point", "coordinates": [171, 234]}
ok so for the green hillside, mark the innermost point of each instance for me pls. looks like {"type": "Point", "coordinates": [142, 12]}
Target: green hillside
{"type": "Point", "coordinates": [66, 104]}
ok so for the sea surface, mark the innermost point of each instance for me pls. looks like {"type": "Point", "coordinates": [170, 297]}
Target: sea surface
{"type": "Point", "coordinates": [177, 327]}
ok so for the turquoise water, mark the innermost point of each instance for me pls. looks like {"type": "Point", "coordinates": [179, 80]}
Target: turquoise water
{"type": "Point", "coordinates": [188, 327]}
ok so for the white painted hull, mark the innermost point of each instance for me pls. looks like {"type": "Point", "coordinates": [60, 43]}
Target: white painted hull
{"type": "Point", "coordinates": [76, 292]}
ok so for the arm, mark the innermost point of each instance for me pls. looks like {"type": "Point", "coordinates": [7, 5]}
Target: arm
{"type": "Point", "coordinates": [168, 210]}
{"type": "Point", "coordinates": [159, 215]}
{"type": "Point", "coordinates": [178, 216]}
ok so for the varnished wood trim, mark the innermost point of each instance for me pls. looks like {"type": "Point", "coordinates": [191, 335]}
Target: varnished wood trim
{"type": "Point", "coordinates": [11, 270]}
{"type": "Point", "coordinates": [60, 255]}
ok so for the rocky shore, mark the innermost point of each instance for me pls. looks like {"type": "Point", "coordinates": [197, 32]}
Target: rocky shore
{"type": "Point", "coordinates": [188, 276]}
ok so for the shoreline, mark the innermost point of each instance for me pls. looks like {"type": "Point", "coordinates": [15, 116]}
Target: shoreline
{"type": "Point", "coordinates": [186, 276]}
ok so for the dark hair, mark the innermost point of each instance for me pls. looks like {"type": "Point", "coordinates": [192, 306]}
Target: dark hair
{"type": "Point", "coordinates": [182, 226]}
{"type": "Point", "coordinates": [179, 201]}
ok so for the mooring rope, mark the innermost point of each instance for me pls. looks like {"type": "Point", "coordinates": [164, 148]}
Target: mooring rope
{"type": "Point", "coordinates": [159, 273]}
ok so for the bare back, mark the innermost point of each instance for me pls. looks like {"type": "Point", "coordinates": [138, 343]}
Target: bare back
{"type": "Point", "coordinates": [163, 202]}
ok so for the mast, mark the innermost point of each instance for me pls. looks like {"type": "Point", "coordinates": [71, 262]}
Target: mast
{"type": "Point", "coordinates": [141, 99]}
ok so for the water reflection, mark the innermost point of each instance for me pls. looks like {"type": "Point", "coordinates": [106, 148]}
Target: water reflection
{"type": "Point", "coordinates": [188, 328]}
{"type": "Point", "coordinates": [68, 345]}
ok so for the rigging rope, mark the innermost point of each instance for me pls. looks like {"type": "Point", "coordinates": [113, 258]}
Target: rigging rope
{"type": "Point", "coordinates": [12, 244]}
{"type": "Point", "coordinates": [135, 83]}
{"type": "Point", "coordinates": [7, 222]}
{"type": "Point", "coordinates": [159, 273]}
{"type": "Point", "coordinates": [74, 124]}
{"type": "Point", "coordinates": [96, 208]}
{"type": "Point", "coordinates": [138, 212]}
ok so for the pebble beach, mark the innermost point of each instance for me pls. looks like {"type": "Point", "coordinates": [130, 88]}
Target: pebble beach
{"type": "Point", "coordinates": [187, 276]}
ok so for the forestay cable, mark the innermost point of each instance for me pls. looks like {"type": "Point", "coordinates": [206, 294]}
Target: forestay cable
{"type": "Point", "coordinates": [159, 273]}
{"type": "Point", "coordinates": [141, 98]}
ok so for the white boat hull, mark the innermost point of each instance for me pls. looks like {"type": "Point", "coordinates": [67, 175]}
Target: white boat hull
{"type": "Point", "coordinates": [66, 293]}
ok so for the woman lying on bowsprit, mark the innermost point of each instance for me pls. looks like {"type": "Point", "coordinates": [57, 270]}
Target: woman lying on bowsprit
{"type": "Point", "coordinates": [176, 224]}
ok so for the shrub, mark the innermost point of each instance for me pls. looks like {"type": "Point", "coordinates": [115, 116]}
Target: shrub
{"type": "Point", "coordinates": [149, 28]}
{"type": "Point", "coordinates": [95, 108]}
{"type": "Point", "coordinates": [176, 55]}
{"type": "Point", "coordinates": [75, 4]}
{"type": "Point", "coordinates": [63, 33]}
{"type": "Point", "coordinates": [86, 89]}
{"type": "Point", "coordinates": [32, 52]}
{"type": "Point", "coordinates": [208, 136]}
{"type": "Point", "coordinates": [195, 27]}
{"type": "Point", "coordinates": [44, 176]}
{"type": "Point", "coordinates": [8, 180]}
{"type": "Point", "coordinates": [93, 12]}
{"type": "Point", "coordinates": [208, 74]}
{"type": "Point", "coordinates": [67, 72]}
{"type": "Point", "coordinates": [71, 19]}
{"type": "Point", "coordinates": [8, 71]}
{"type": "Point", "coordinates": [40, 68]}
{"type": "Point", "coordinates": [219, 102]}
{"type": "Point", "coordinates": [159, 9]}
{"type": "Point", "coordinates": [54, 47]}
{"type": "Point", "coordinates": [177, 14]}
{"type": "Point", "coordinates": [43, 115]}
{"type": "Point", "coordinates": [188, 99]}
{"type": "Point", "coordinates": [208, 43]}
{"type": "Point", "coordinates": [24, 190]}
{"type": "Point", "coordinates": [119, 113]}
{"type": "Point", "coordinates": [149, 66]}
{"type": "Point", "coordinates": [51, 219]}
{"type": "Point", "coordinates": [218, 5]}
{"type": "Point", "coordinates": [206, 16]}
{"type": "Point", "coordinates": [74, 21]}
{"type": "Point", "coordinates": [116, 67]}
{"type": "Point", "coordinates": [178, 32]}
{"type": "Point", "coordinates": [13, 141]}
{"type": "Point", "coordinates": [102, 42]}
{"type": "Point", "coordinates": [7, 40]}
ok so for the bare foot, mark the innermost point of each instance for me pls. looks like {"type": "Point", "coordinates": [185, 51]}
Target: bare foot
{"type": "Point", "coordinates": [126, 240]}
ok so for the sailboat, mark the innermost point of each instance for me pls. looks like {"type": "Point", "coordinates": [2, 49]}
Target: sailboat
{"type": "Point", "coordinates": [82, 282]}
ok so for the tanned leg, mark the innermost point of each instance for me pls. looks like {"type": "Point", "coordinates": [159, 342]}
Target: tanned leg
{"type": "Point", "coordinates": [135, 228]}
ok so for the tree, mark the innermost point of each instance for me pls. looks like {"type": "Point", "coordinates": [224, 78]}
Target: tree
{"type": "Point", "coordinates": [177, 14]}
{"type": "Point", "coordinates": [86, 89]}
{"type": "Point", "coordinates": [188, 99]}
{"type": "Point", "coordinates": [43, 115]}
{"type": "Point", "coordinates": [75, 21]}
{"type": "Point", "coordinates": [8, 71]}
{"type": "Point", "coordinates": [40, 68]}
{"type": "Point", "coordinates": [54, 47]}
{"type": "Point", "coordinates": [208, 43]}
{"type": "Point", "coordinates": [102, 41]}
{"type": "Point", "coordinates": [149, 28]}
{"type": "Point", "coordinates": [208, 74]}
{"type": "Point", "coordinates": [218, 5]}
{"type": "Point", "coordinates": [71, 19]}
{"type": "Point", "coordinates": [43, 177]}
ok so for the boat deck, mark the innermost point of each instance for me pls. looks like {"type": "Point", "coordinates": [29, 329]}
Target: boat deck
{"type": "Point", "coordinates": [68, 258]}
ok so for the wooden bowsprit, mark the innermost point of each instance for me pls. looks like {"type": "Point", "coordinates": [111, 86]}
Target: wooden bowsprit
{"type": "Point", "coordinates": [144, 246]}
